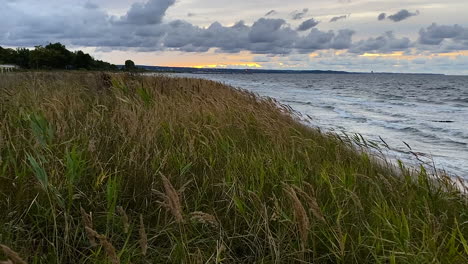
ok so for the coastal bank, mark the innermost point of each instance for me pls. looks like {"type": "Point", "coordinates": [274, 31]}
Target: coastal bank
{"type": "Point", "coordinates": [120, 168]}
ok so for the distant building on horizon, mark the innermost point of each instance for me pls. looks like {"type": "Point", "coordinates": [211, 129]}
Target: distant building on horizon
{"type": "Point", "coordinates": [8, 67]}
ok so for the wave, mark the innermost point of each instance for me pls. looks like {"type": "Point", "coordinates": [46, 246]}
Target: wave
{"type": "Point", "coordinates": [347, 115]}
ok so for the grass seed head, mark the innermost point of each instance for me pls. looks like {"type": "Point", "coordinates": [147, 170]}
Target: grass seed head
{"type": "Point", "coordinates": [172, 200]}
{"type": "Point", "coordinates": [110, 250]}
{"type": "Point", "coordinates": [204, 218]}
{"type": "Point", "coordinates": [125, 222]}
{"type": "Point", "coordinates": [312, 203]}
{"type": "Point", "coordinates": [108, 247]}
{"type": "Point", "coordinates": [88, 224]}
{"type": "Point", "coordinates": [143, 237]}
{"type": "Point", "coordinates": [13, 256]}
{"type": "Point", "coordinates": [299, 213]}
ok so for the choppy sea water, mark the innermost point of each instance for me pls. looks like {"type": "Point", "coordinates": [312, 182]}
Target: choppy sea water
{"type": "Point", "coordinates": [427, 112]}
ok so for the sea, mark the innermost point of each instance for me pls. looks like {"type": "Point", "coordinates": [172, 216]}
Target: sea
{"type": "Point", "coordinates": [420, 119]}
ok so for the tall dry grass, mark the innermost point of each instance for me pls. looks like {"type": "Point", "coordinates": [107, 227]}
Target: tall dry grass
{"type": "Point", "coordinates": [217, 175]}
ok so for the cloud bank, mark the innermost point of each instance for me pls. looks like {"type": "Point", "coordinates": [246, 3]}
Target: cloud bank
{"type": "Point", "coordinates": [446, 37]}
{"type": "Point", "coordinates": [386, 43]}
{"type": "Point", "coordinates": [143, 27]}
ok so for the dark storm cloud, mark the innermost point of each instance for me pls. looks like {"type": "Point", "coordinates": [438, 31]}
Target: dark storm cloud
{"type": "Point", "coordinates": [308, 24]}
{"type": "Point", "coordinates": [86, 25]}
{"type": "Point", "coordinates": [315, 40]}
{"type": "Point", "coordinates": [334, 19]}
{"type": "Point", "coordinates": [271, 35]}
{"type": "Point", "coordinates": [265, 36]}
{"type": "Point", "coordinates": [148, 13]}
{"type": "Point", "coordinates": [266, 30]}
{"type": "Point", "coordinates": [270, 13]}
{"type": "Point", "coordinates": [298, 15]}
{"type": "Point", "coordinates": [81, 24]}
{"type": "Point", "coordinates": [90, 5]}
{"type": "Point", "coordinates": [383, 44]}
{"type": "Point", "coordinates": [343, 40]}
{"type": "Point", "coordinates": [184, 36]}
{"type": "Point", "coordinates": [402, 15]}
{"type": "Point", "coordinates": [382, 16]}
{"type": "Point", "coordinates": [436, 34]}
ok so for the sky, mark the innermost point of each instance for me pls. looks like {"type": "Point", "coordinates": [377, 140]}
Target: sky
{"type": "Point", "coordinates": [425, 36]}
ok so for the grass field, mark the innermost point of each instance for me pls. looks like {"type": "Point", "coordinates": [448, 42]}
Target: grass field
{"type": "Point", "coordinates": [98, 168]}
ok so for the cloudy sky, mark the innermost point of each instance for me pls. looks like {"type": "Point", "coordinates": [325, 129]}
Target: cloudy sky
{"type": "Point", "coordinates": [353, 35]}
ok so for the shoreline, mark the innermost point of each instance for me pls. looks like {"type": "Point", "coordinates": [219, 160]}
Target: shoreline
{"type": "Point", "coordinates": [416, 153]}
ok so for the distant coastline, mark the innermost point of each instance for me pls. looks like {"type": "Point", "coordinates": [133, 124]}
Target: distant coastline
{"type": "Point", "coordinates": [252, 71]}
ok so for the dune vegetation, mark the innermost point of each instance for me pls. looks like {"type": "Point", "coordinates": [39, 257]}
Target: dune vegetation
{"type": "Point", "coordinates": [119, 168]}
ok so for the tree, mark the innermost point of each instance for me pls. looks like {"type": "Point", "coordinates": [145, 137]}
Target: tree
{"type": "Point", "coordinates": [53, 56]}
{"type": "Point", "coordinates": [7, 55]}
{"type": "Point", "coordinates": [60, 57]}
{"type": "Point", "coordinates": [129, 65]}
{"type": "Point", "coordinates": [101, 65]}
{"type": "Point", "coordinates": [23, 58]}
{"type": "Point", "coordinates": [39, 58]}
{"type": "Point", "coordinates": [82, 60]}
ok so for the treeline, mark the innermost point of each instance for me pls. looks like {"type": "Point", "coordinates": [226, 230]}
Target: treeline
{"type": "Point", "coordinates": [52, 56]}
